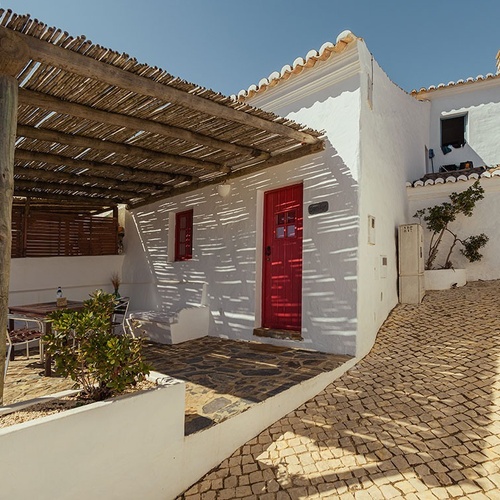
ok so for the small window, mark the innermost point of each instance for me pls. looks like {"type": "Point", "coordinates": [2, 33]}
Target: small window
{"type": "Point", "coordinates": [184, 235]}
{"type": "Point", "coordinates": [453, 132]}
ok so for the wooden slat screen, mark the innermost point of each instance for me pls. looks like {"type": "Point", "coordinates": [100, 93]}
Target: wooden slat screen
{"type": "Point", "coordinates": [51, 235]}
{"type": "Point", "coordinates": [17, 232]}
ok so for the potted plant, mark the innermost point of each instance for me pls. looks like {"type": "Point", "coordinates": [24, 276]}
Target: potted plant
{"type": "Point", "coordinates": [438, 219]}
{"type": "Point", "coordinates": [116, 281]}
{"type": "Point", "coordinates": [84, 348]}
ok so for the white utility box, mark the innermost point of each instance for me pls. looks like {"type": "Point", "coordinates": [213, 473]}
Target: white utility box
{"type": "Point", "coordinates": [411, 264]}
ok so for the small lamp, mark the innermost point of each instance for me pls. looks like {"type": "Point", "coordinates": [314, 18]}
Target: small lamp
{"type": "Point", "coordinates": [223, 189]}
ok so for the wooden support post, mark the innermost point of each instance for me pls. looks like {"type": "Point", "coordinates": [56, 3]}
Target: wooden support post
{"type": "Point", "coordinates": [13, 57]}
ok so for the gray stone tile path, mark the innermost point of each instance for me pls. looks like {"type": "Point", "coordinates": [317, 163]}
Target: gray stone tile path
{"type": "Point", "coordinates": [418, 418]}
{"type": "Point", "coordinates": [226, 377]}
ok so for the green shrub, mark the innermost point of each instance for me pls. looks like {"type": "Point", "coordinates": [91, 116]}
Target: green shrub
{"type": "Point", "coordinates": [84, 348]}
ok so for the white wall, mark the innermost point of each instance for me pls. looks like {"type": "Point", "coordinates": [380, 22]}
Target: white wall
{"type": "Point", "coordinates": [36, 279]}
{"type": "Point", "coordinates": [394, 133]}
{"type": "Point", "coordinates": [483, 220]}
{"type": "Point", "coordinates": [481, 102]}
{"type": "Point", "coordinates": [227, 253]}
{"type": "Point", "coordinates": [132, 448]}
{"type": "Point", "coordinates": [227, 232]}
{"type": "Point", "coordinates": [118, 449]}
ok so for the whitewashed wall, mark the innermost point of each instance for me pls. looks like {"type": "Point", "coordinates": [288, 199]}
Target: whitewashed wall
{"type": "Point", "coordinates": [134, 447]}
{"type": "Point", "coordinates": [394, 134]}
{"type": "Point", "coordinates": [483, 220]}
{"type": "Point", "coordinates": [481, 102]}
{"type": "Point", "coordinates": [227, 252]}
{"type": "Point", "coordinates": [36, 279]}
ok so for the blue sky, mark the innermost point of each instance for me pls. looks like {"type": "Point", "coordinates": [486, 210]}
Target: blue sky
{"type": "Point", "coordinates": [227, 45]}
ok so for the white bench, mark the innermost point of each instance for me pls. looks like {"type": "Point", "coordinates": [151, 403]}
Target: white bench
{"type": "Point", "coordinates": [173, 327]}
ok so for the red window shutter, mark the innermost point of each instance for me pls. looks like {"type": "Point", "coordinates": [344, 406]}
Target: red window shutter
{"type": "Point", "coordinates": [184, 235]}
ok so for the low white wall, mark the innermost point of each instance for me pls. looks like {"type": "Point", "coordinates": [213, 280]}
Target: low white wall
{"type": "Point", "coordinates": [131, 447]}
{"type": "Point", "coordinates": [116, 449]}
{"type": "Point", "coordinates": [36, 279]}
{"type": "Point", "coordinates": [483, 220]}
{"type": "Point", "coordinates": [205, 450]}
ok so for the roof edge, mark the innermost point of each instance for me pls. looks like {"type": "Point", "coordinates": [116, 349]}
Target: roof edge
{"type": "Point", "coordinates": [300, 64]}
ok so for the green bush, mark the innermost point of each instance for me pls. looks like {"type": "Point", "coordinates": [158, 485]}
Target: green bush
{"type": "Point", "coordinates": [84, 348]}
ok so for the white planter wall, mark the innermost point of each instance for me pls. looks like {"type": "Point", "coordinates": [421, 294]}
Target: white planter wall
{"type": "Point", "coordinates": [483, 220]}
{"type": "Point", "coordinates": [132, 447]}
{"type": "Point", "coordinates": [113, 449]}
{"type": "Point", "coordinates": [444, 279]}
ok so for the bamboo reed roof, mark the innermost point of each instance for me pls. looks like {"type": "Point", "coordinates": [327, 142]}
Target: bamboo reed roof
{"type": "Point", "coordinates": [97, 127]}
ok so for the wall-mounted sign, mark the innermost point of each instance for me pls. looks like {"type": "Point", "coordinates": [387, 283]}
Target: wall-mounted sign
{"type": "Point", "coordinates": [318, 208]}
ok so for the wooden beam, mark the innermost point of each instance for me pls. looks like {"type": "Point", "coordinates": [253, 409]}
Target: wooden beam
{"type": "Point", "coordinates": [275, 160]}
{"type": "Point", "coordinates": [38, 99]}
{"type": "Point", "coordinates": [8, 120]}
{"type": "Point", "coordinates": [117, 195]}
{"type": "Point", "coordinates": [67, 199]}
{"type": "Point", "coordinates": [112, 170]}
{"type": "Point", "coordinates": [50, 205]}
{"type": "Point", "coordinates": [85, 66]}
{"type": "Point", "coordinates": [14, 53]}
{"type": "Point", "coordinates": [114, 147]}
{"type": "Point", "coordinates": [85, 178]}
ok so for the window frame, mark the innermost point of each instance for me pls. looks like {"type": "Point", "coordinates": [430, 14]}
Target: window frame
{"type": "Point", "coordinates": [463, 137]}
{"type": "Point", "coordinates": [185, 239]}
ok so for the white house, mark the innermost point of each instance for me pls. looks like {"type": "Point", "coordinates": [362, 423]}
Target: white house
{"type": "Point", "coordinates": [304, 254]}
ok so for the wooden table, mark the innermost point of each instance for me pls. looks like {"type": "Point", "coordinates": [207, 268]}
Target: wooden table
{"type": "Point", "coordinates": [41, 311]}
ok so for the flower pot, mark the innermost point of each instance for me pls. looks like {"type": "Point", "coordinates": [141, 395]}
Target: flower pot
{"type": "Point", "coordinates": [443, 279]}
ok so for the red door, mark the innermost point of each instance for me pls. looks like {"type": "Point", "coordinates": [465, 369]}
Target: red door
{"type": "Point", "coordinates": [282, 272]}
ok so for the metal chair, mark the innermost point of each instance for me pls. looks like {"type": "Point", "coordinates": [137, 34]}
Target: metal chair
{"type": "Point", "coordinates": [118, 321]}
{"type": "Point", "coordinates": [7, 354]}
{"type": "Point", "coordinates": [28, 334]}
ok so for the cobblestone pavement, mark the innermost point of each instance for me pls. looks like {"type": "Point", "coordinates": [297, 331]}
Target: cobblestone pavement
{"type": "Point", "coordinates": [418, 418]}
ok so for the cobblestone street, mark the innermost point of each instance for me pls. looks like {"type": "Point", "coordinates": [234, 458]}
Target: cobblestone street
{"type": "Point", "coordinates": [418, 418]}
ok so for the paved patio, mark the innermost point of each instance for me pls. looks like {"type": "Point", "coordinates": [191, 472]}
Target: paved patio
{"type": "Point", "coordinates": [418, 418]}
{"type": "Point", "coordinates": [226, 377]}
{"type": "Point", "coordinates": [223, 377]}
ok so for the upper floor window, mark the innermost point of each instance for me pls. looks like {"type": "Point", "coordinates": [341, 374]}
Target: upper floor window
{"type": "Point", "coordinates": [453, 131]}
{"type": "Point", "coordinates": [184, 235]}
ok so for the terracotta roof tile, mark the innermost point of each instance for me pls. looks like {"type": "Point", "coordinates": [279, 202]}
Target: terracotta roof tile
{"type": "Point", "coordinates": [479, 78]}
{"type": "Point", "coordinates": [300, 64]}
{"type": "Point", "coordinates": [455, 176]}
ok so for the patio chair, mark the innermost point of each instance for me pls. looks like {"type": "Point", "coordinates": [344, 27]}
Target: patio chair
{"type": "Point", "coordinates": [26, 332]}
{"type": "Point", "coordinates": [7, 354]}
{"type": "Point", "coordinates": [118, 321]}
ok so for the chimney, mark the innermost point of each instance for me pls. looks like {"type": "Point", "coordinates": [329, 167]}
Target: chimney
{"type": "Point", "coordinates": [498, 62]}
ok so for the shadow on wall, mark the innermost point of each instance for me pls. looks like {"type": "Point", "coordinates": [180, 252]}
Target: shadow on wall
{"type": "Point", "coordinates": [226, 252]}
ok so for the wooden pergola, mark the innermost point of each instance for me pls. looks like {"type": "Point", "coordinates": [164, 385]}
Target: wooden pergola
{"type": "Point", "coordinates": [85, 127]}
{"type": "Point", "coordinates": [96, 126]}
